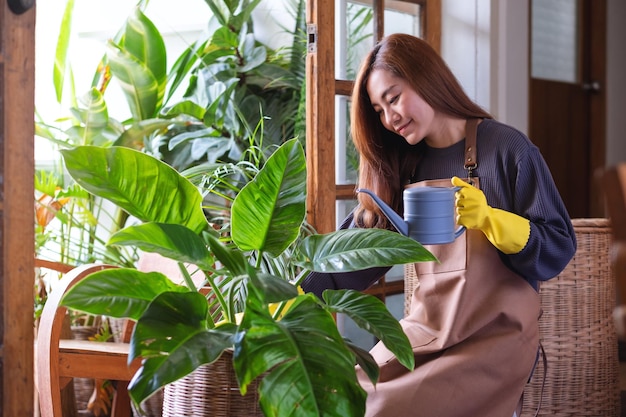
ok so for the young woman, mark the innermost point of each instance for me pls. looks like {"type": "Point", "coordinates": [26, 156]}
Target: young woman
{"type": "Point", "coordinates": [474, 316]}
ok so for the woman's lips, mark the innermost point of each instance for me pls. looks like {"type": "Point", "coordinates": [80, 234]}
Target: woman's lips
{"type": "Point", "coordinates": [401, 128]}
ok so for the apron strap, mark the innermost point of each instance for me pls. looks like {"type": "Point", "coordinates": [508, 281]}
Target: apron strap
{"type": "Point", "coordinates": [470, 146]}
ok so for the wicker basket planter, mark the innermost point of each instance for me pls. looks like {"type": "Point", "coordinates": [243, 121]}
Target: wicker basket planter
{"type": "Point", "coordinates": [211, 391]}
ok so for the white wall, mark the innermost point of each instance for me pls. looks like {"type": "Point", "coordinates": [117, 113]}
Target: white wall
{"type": "Point", "coordinates": [485, 43]}
{"type": "Point", "coordinates": [509, 64]}
{"type": "Point", "coordinates": [465, 45]}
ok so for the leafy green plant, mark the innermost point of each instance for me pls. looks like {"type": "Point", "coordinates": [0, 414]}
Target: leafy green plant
{"type": "Point", "coordinates": [231, 77]}
{"type": "Point", "coordinates": [288, 340]}
{"type": "Point", "coordinates": [224, 78]}
{"type": "Point", "coordinates": [201, 108]}
{"type": "Point", "coordinates": [72, 226]}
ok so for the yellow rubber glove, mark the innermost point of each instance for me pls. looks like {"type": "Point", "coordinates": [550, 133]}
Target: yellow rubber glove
{"type": "Point", "coordinates": [274, 306]}
{"type": "Point", "coordinates": [505, 230]}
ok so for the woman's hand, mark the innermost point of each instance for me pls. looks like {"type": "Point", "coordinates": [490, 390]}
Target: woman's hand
{"type": "Point", "coordinates": [505, 230]}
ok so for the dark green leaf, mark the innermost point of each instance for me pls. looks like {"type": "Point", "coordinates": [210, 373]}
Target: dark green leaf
{"type": "Point", "coordinates": [173, 339]}
{"type": "Point", "coordinates": [308, 367]}
{"type": "Point", "coordinates": [142, 185]}
{"type": "Point", "coordinates": [366, 361]}
{"type": "Point", "coordinates": [268, 212]}
{"type": "Point", "coordinates": [220, 10]}
{"type": "Point", "coordinates": [356, 249]}
{"type": "Point", "coordinates": [371, 314]}
{"type": "Point", "coordinates": [274, 288]}
{"type": "Point", "coordinates": [232, 259]}
{"type": "Point", "coordinates": [118, 292]}
{"type": "Point", "coordinates": [170, 240]}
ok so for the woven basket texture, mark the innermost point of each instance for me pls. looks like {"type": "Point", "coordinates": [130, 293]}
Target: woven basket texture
{"type": "Point", "coordinates": [83, 387]}
{"type": "Point", "coordinates": [577, 332]}
{"type": "Point", "coordinates": [153, 406]}
{"type": "Point", "coordinates": [211, 391]}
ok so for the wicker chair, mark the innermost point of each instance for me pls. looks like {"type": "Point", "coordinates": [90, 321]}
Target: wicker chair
{"type": "Point", "coordinates": [577, 333]}
{"type": "Point", "coordinates": [614, 187]}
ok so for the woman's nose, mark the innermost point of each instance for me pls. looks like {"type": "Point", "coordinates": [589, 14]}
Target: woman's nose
{"type": "Point", "coordinates": [390, 118]}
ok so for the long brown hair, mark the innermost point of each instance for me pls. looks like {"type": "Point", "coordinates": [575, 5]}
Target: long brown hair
{"type": "Point", "coordinates": [387, 161]}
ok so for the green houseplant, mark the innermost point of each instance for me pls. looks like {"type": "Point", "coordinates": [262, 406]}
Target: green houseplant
{"type": "Point", "coordinates": [222, 79]}
{"type": "Point", "coordinates": [287, 339]}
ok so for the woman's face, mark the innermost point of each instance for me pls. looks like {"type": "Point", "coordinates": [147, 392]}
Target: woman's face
{"type": "Point", "coordinates": [400, 108]}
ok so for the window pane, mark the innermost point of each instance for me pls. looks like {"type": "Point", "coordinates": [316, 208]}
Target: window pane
{"type": "Point", "coordinates": [354, 37]}
{"type": "Point", "coordinates": [402, 17]}
{"type": "Point", "coordinates": [554, 46]}
{"type": "Point", "coordinates": [355, 30]}
{"type": "Point", "coordinates": [346, 157]}
{"type": "Point", "coordinates": [343, 208]}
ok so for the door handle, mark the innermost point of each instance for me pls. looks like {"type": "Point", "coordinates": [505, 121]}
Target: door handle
{"type": "Point", "coordinates": [591, 87]}
{"type": "Point", "coordinates": [20, 6]}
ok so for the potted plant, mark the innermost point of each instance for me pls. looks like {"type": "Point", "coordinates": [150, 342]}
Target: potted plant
{"type": "Point", "coordinates": [304, 365]}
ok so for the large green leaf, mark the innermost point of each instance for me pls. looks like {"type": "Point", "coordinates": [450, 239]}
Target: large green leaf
{"type": "Point", "coordinates": [118, 292]}
{"type": "Point", "coordinates": [141, 88]}
{"type": "Point", "coordinates": [356, 249]}
{"type": "Point", "coordinates": [142, 185]}
{"type": "Point", "coordinates": [173, 339]}
{"type": "Point", "coordinates": [308, 369]}
{"type": "Point", "coordinates": [170, 240]}
{"type": "Point", "coordinates": [144, 41]}
{"type": "Point", "coordinates": [268, 212]}
{"type": "Point", "coordinates": [371, 314]}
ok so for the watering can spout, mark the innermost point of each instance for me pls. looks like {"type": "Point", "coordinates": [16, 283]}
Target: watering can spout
{"type": "Point", "coordinates": [397, 221]}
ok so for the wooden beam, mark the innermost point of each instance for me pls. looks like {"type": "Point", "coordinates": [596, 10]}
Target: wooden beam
{"type": "Point", "coordinates": [17, 86]}
{"type": "Point", "coordinates": [320, 115]}
{"type": "Point", "coordinates": [432, 23]}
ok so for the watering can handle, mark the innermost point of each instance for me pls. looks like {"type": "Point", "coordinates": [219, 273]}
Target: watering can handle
{"type": "Point", "coordinates": [459, 231]}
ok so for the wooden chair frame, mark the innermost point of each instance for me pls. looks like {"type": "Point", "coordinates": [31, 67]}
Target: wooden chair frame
{"type": "Point", "coordinates": [59, 360]}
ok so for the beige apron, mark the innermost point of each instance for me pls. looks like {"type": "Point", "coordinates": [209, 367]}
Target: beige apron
{"type": "Point", "coordinates": [473, 325]}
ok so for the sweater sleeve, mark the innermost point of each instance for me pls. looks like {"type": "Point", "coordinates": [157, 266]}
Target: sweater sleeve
{"type": "Point", "coordinates": [552, 241]}
{"type": "Point", "coordinates": [317, 282]}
